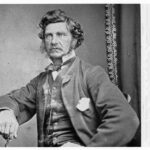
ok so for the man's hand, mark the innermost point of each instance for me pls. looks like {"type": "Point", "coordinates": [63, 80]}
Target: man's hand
{"type": "Point", "coordinates": [8, 124]}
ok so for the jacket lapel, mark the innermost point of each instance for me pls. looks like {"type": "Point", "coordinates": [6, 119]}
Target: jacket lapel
{"type": "Point", "coordinates": [68, 83]}
{"type": "Point", "coordinates": [71, 94]}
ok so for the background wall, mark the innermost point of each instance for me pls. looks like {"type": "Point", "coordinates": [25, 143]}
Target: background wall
{"type": "Point", "coordinates": [130, 59]}
{"type": "Point", "coordinates": [21, 60]}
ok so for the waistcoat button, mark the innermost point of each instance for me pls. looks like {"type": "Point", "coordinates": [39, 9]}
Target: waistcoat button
{"type": "Point", "coordinates": [56, 123]}
{"type": "Point", "coordinates": [54, 88]}
{"type": "Point", "coordinates": [55, 140]}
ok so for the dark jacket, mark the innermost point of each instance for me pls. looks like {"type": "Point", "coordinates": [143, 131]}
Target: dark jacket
{"type": "Point", "coordinates": [109, 120]}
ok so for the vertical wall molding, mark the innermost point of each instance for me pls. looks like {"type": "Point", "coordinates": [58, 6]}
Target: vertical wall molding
{"type": "Point", "coordinates": [111, 42]}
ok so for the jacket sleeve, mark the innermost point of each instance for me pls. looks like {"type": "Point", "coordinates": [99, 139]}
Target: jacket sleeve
{"type": "Point", "coordinates": [119, 121]}
{"type": "Point", "coordinates": [21, 101]}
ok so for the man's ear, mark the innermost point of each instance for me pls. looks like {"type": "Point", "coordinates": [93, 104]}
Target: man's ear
{"type": "Point", "coordinates": [73, 43]}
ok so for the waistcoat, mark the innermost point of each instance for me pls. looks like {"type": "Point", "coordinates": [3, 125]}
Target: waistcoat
{"type": "Point", "coordinates": [57, 125]}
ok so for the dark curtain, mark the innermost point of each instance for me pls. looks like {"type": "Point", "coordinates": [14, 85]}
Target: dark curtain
{"type": "Point", "coordinates": [123, 48]}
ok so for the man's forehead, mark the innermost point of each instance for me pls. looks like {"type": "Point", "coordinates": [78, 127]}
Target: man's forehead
{"type": "Point", "coordinates": [56, 27]}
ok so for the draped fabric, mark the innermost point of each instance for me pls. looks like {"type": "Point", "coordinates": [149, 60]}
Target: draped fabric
{"type": "Point", "coordinates": [122, 32]}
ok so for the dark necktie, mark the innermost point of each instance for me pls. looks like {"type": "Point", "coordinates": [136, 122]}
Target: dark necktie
{"type": "Point", "coordinates": [53, 67]}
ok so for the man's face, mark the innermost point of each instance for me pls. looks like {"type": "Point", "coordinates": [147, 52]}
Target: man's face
{"type": "Point", "coordinates": [58, 40]}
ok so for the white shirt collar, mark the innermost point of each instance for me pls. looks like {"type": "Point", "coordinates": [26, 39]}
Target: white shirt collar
{"type": "Point", "coordinates": [66, 57]}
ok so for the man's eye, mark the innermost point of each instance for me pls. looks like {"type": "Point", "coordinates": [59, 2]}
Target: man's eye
{"type": "Point", "coordinates": [48, 36]}
{"type": "Point", "coordinates": [61, 34]}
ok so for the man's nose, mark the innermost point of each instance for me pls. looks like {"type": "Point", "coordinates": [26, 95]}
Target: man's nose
{"type": "Point", "coordinates": [54, 40]}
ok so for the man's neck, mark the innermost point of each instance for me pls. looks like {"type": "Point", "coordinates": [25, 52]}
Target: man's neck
{"type": "Point", "coordinates": [57, 61]}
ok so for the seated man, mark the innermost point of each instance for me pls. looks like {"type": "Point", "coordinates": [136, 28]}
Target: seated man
{"type": "Point", "coordinates": [76, 103]}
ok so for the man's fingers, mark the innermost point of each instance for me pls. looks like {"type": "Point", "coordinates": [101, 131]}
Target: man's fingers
{"type": "Point", "coordinates": [2, 128]}
{"type": "Point", "coordinates": [7, 128]}
{"type": "Point", "coordinates": [12, 129]}
{"type": "Point", "coordinates": [16, 130]}
{"type": "Point", "coordinates": [12, 132]}
{"type": "Point", "coordinates": [8, 124]}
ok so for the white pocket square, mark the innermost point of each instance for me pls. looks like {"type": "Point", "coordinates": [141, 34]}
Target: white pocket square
{"type": "Point", "coordinates": [83, 104]}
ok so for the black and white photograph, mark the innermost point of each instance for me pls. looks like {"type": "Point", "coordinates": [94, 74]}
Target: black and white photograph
{"type": "Point", "coordinates": [70, 75]}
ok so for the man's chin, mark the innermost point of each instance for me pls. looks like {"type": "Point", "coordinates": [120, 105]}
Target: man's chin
{"type": "Point", "coordinates": [55, 56]}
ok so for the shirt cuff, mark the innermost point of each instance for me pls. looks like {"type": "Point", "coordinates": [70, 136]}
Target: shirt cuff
{"type": "Point", "coordinates": [7, 103]}
{"type": "Point", "coordinates": [5, 108]}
